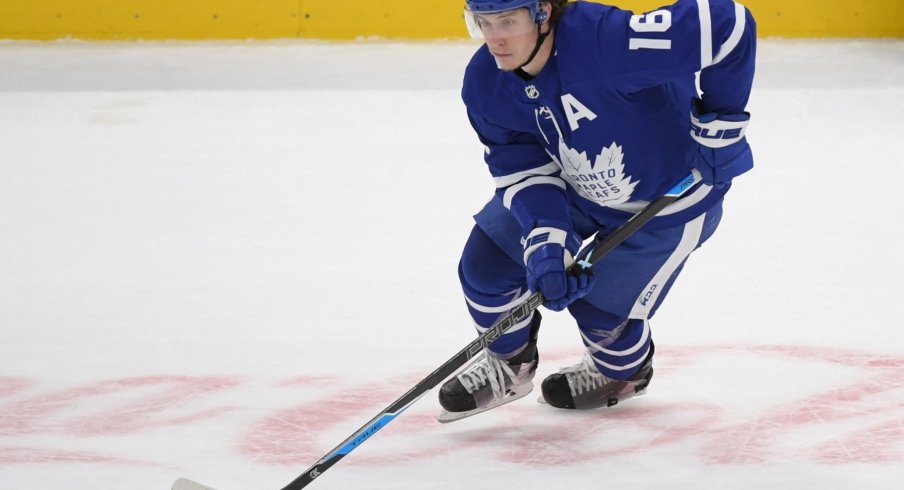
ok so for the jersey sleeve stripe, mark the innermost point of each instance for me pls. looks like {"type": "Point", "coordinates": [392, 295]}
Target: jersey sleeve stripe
{"type": "Point", "coordinates": [511, 191]}
{"type": "Point", "coordinates": [511, 179]}
{"type": "Point", "coordinates": [736, 34]}
{"type": "Point", "coordinates": [706, 34]}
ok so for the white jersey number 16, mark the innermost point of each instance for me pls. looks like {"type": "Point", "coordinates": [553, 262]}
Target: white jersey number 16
{"type": "Point", "coordinates": [655, 21]}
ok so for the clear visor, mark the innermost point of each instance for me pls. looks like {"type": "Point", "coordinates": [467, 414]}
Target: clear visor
{"type": "Point", "coordinates": [513, 22]}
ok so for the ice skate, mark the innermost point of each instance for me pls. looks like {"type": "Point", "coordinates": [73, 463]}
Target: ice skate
{"type": "Point", "coordinates": [488, 382]}
{"type": "Point", "coordinates": [582, 386]}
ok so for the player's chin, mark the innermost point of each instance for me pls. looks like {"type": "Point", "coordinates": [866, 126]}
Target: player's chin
{"type": "Point", "coordinates": [507, 63]}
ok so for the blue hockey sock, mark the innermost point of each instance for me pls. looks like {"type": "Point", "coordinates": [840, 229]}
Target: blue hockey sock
{"type": "Point", "coordinates": [620, 353]}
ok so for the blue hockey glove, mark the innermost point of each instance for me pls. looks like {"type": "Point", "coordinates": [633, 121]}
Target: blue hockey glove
{"type": "Point", "coordinates": [580, 282]}
{"type": "Point", "coordinates": [721, 152]}
{"type": "Point", "coordinates": [548, 253]}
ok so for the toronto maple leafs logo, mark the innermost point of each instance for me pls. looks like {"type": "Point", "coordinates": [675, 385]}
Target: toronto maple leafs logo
{"type": "Point", "coordinates": [602, 181]}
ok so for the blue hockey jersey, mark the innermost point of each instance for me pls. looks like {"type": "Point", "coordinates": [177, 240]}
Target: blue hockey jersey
{"type": "Point", "coordinates": [605, 125]}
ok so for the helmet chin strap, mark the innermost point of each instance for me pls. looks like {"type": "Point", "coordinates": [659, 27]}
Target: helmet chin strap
{"type": "Point", "coordinates": [540, 38]}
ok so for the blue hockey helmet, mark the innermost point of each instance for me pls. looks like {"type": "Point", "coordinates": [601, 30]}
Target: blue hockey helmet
{"type": "Point", "coordinates": [474, 8]}
{"type": "Point", "coordinates": [493, 6]}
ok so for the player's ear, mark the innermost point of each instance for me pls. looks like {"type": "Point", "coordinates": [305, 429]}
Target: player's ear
{"type": "Point", "coordinates": [545, 12]}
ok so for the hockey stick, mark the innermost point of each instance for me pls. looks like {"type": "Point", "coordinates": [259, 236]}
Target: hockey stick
{"type": "Point", "coordinates": [513, 317]}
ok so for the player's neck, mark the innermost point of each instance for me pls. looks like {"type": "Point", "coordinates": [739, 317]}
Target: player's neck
{"type": "Point", "coordinates": [539, 61]}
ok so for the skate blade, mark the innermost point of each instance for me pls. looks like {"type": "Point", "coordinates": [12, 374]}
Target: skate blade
{"type": "Point", "coordinates": [186, 484]}
{"type": "Point", "coordinates": [445, 416]}
{"type": "Point", "coordinates": [542, 401]}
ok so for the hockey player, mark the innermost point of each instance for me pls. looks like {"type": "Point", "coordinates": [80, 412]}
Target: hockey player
{"type": "Point", "coordinates": [588, 112]}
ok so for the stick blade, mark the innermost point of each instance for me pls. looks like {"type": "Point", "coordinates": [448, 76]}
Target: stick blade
{"type": "Point", "coordinates": [186, 484]}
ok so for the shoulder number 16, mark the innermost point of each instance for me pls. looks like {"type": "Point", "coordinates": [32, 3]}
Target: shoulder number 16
{"type": "Point", "coordinates": [655, 21]}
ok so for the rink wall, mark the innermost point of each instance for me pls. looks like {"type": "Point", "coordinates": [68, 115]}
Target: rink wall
{"type": "Point", "coordinates": [390, 19]}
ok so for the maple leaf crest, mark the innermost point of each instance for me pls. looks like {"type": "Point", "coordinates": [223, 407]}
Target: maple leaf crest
{"type": "Point", "coordinates": [604, 181]}
{"type": "Point", "coordinates": [576, 161]}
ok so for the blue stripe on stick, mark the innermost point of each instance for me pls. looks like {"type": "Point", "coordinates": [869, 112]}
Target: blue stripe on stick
{"type": "Point", "coordinates": [365, 434]}
{"type": "Point", "coordinates": [684, 185]}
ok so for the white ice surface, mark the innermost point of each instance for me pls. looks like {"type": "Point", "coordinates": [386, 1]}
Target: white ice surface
{"type": "Point", "coordinates": [218, 260]}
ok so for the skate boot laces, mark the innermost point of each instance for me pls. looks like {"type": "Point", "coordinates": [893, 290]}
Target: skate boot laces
{"type": "Point", "coordinates": [584, 377]}
{"type": "Point", "coordinates": [488, 370]}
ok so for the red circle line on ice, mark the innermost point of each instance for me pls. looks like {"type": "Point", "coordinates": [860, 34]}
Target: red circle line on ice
{"type": "Point", "coordinates": [853, 416]}
{"type": "Point", "coordinates": [861, 412]}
